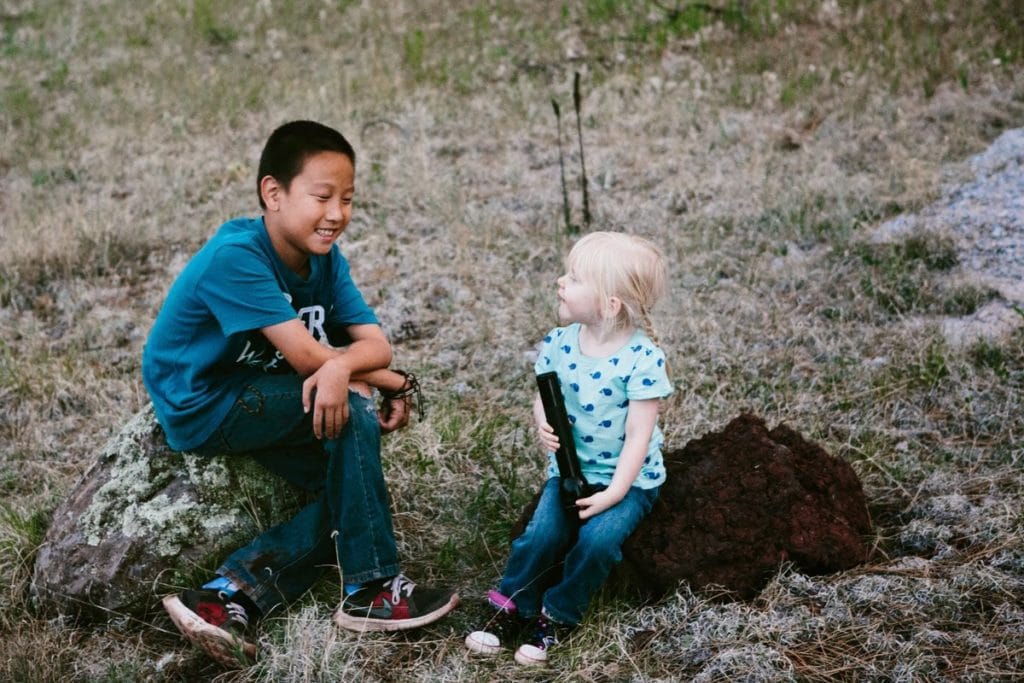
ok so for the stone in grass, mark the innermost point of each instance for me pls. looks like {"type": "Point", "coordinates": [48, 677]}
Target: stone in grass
{"type": "Point", "coordinates": [740, 502]}
{"type": "Point", "coordinates": [144, 520]}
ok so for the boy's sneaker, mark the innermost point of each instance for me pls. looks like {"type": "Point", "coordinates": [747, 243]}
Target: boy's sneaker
{"type": "Point", "coordinates": [214, 622]}
{"type": "Point", "coordinates": [503, 628]}
{"type": "Point", "coordinates": [393, 604]}
{"type": "Point", "coordinates": [546, 634]}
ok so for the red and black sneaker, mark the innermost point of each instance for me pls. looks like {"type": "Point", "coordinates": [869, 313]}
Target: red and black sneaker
{"type": "Point", "coordinates": [214, 622]}
{"type": "Point", "coordinates": [393, 604]}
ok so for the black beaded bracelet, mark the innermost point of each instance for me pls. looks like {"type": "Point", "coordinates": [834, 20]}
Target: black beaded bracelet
{"type": "Point", "coordinates": [411, 388]}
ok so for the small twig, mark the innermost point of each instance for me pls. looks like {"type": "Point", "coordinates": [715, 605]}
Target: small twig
{"type": "Point", "coordinates": [382, 122]}
{"type": "Point", "coordinates": [579, 133]}
{"type": "Point", "coordinates": [569, 227]}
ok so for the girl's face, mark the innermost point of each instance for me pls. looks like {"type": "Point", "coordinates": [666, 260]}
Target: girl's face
{"type": "Point", "coordinates": [578, 301]}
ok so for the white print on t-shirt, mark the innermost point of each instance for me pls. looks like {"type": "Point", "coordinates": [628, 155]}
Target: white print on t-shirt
{"type": "Point", "coordinates": [254, 355]}
{"type": "Point", "coordinates": [313, 318]}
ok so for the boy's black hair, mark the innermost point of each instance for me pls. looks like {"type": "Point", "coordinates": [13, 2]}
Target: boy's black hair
{"type": "Point", "coordinates": [291, 144]}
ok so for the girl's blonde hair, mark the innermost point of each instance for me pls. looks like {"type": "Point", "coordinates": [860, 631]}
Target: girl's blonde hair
{"type": "Point", "coordinates": [627, 267]}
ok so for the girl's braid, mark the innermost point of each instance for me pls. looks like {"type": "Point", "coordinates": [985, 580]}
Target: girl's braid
{"type": "Point", "coordinates": [648, 327]}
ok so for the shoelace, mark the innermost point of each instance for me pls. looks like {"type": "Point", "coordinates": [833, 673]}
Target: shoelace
{"type": "Point", "coordinates": [235, 611]}
{"type": "Point", "coordinates": [545, 633]}
{"type": "Point", "coordinates": [398, 584]}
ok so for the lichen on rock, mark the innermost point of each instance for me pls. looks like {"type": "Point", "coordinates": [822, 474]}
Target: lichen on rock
{"type": "Point", "coordinates": [142, 513]}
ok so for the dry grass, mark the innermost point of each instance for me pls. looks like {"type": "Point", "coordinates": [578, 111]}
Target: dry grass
{"type": "Point", "coordinates": [758, 147]}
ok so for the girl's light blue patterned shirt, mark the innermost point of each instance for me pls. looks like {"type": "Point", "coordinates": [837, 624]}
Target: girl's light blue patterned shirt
{"type": "Point", "coordinates": [597, 393]}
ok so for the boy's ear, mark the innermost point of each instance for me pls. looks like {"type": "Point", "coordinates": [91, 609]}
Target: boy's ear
{"type": "Point", "coordinates": [270, 191]}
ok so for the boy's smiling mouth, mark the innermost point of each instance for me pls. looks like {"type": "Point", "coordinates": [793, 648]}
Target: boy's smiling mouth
{"type": "Point", "coordinates": [327, 232]}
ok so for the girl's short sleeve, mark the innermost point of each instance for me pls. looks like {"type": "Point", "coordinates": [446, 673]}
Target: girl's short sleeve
{"type": "Point", "coordinates": [649, 378]}
{"type": "Point", "coordinates": [545, 362]}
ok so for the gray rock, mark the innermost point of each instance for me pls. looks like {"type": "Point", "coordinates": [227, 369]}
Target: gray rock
{"type": "Point", "coordinates": [985, 219]}
{"type": "Point", "coordinates": [144, 521]}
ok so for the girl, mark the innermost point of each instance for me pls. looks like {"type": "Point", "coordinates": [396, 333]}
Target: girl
{"type": "Point", "coordinates": [613, 376]}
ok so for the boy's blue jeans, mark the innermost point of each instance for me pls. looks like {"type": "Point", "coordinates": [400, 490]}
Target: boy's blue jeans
{"type": "Point", "coordinates": [533, 562]}
{"type": "Point", "coordinates": [349, 521]}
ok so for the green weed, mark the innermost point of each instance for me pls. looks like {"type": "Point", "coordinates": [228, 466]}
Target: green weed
{"type": "Point", "coordinates": [922, 368]}
{"type": "Point", "coordinates": [414, 43]}
{"type": "Point", "coordinates": [207, 25]}
{"type": "Point", "coordinates": [20, 105]}
{"type": "Point", "coordinates": [21, 533]}
{"type": "Point", "coordinates": [999, 359]}
{"type": "Point", "coordinates": [800, 88]}
{"type": "Point", "coordinates": [965, 299]}
{"type": "Point", "coordinates": [902, 277]}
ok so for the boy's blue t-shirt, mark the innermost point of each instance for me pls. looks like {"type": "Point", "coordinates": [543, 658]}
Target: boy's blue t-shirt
{"type": "Point", "coordinates": [597, 393]}
{"type": "Point", "coordinates": [206, 342]}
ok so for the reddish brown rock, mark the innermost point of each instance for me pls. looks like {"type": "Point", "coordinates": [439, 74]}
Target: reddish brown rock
{"type": "Point", "coordinates": [738, 503]}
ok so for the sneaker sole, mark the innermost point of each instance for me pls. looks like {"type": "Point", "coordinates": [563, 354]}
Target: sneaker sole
{"type": "Point", "coordinates": [528, 660]}
{"type": "Point", "coordinates": [361, 624]}
{"type": "Point", "coordinates": [474, 645]}
{"type": "Point", "coordinates": [226, 648]}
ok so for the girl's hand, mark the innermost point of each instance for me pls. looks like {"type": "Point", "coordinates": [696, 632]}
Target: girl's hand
{"type": "Point", "coordinates": [545, 432]}
{"type": "Point", "coordinates": [597, 503]}
{"type": "Point", "coordinates": [330, 403]}
{"type": "Point", "coordinates": [546, 435]}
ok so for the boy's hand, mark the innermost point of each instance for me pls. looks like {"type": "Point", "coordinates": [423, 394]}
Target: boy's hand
{"type": "Point", "coordinates": [330, 403]}
{"type": "Point", "coordinates": [597, 503]}
{"type": "Point", "coordinates": [393, 414]}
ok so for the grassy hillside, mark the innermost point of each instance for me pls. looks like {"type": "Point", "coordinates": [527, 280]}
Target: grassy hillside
{"type": "Point", "coordinates": [759, 142]}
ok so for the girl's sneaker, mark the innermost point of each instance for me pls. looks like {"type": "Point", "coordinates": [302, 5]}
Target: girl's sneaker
{"type": "Point", "coordinates": [546, 634]}
{"type": "Point", "coordinates": [503, 628]}
{"type": "Point", "coordinates": [215, 622]}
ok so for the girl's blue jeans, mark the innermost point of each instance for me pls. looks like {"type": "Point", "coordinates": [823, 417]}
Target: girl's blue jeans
{"type": "Point", "coordinates": [531, 575]}
{"type": "Point", "coordinates": [348, 522]}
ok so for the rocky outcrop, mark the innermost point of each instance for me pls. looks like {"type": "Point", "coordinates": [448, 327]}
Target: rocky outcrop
{"type": "Point", "coordinates": [144, 521]}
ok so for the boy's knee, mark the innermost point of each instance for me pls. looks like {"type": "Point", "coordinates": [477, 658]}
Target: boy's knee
{"type": "Point", "coordinates": [361, 388]}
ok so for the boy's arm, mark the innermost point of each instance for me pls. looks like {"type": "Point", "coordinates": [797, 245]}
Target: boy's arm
{"type": "Point", "coordinates": [328, 371]}
{"type": "Point", "coordinates": [640, 421]}
{"type": "Point", "coordinates": [369, 350]}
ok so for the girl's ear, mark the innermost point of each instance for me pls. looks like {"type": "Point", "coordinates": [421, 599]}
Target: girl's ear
{"type": "Point", "coordinates": [271, 190]}
{"type": "Point", "coordinates": [612, 308]}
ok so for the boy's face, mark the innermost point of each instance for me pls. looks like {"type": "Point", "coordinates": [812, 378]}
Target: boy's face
{"type": "Point", "coordinates": [309, 215]}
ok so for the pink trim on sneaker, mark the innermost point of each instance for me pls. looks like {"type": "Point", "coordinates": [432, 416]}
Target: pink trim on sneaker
{"type": "Point", "coordinates": [499, 601]}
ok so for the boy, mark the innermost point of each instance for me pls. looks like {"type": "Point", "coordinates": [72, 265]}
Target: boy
{"type": "Point", "coordinates": [238, 362]}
